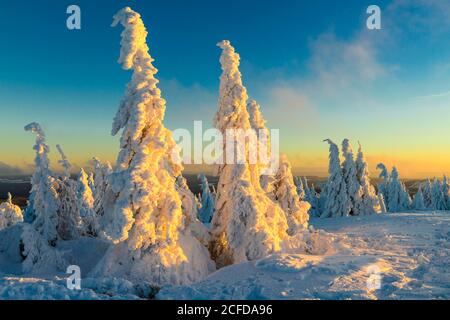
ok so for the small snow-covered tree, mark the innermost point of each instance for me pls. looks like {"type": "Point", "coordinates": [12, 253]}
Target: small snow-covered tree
{"type": "Point", "coordinates": [10, 214]}
{"type": "Point", "coordinates": [383, 187]}
{"type": "Point", "coordinates": [300, 188]}
{"type": "Point", "coordinates": [427, 195]}
{"type": "Point", "coordinates": [382, 203]}
{"type": "Point", "coordinates": [286, 194]}
{"type": "Point", "coordinates": [437, 196]}
{"type": "Point", "coordinates": [89, 220]}
{"type": "Point", "coordinates": [101, 172]}
{"type": "Point", "coordinates": [337, 201]}
{"type": "Point", "coordinates": [40, 239]}
{"type": "Point", "coordinates": [418, 203]}
{"type": "Point", "coordinates": [206, 211]}
{"type": "Point", "coordinates": [446, 192]}
{"type": "Point", "coordinates": [145, 219]}
{"type": "Point", "coordinates": [68, 211]}
{"type": "Point", "coordinates": [398, 197]}
{"type": "Point", "coordinates": [354, 190]}
{"type": "Point", "coordinates": [190, 205]}
{"type": "Point", "coordinates": [247, 224]}
{"type": "Point", "coordinates": [369, 200]}
{"type": "Point", "coordinates": [312, 197]}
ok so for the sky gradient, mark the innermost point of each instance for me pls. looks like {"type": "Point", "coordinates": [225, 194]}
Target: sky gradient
{"type": "Point", "coordinates": [314, 67]}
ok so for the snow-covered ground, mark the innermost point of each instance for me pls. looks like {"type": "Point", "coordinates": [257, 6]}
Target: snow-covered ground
{"type": "Point", "coordinates": [407, 254]}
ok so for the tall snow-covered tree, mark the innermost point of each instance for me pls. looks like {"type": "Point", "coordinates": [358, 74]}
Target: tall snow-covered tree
{"type": "Point", "coordinates": [312, 197]}
{"type": "Point", "coordinates": [354, 190]}
{"type": "Point", "coordinates": [369, 200]}
{"type": "Point", "coordinates": [247, 224]}
{"type": "Point", "coordinates": [145, 220]}
{"type": "Point", "coordinates": [89, 220]}
{"type": "Point", "coordinates": [40, 238]}
{"type": "Point", "coordinates": [337, 204]}
{"type": "Point", "coordinates": [10, 214]}
{"type": "Point", "coordinates": [418, 203]}
{"type": "Point", "coordinates": [437, 196]}
{"type": "Point", "coordinates": [206, 211]}
{"type": "Point", "coordinates": [64, 162]}
{"type": "Point", "coordinates": [286, 194]}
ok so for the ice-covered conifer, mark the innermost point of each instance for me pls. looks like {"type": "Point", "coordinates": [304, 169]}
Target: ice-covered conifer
{"type": "Point", "coordinates": [349, 172]}
{"type": "Point", "coordinates": [446, 192]}
{"type": "Point", "coordinates": [247, 224]}
{"type": "Point", "coordinates": [418, 203]}
{"type": "Point", "coordinates": [369, 200]}
{"type": "Point", "coordinates": [190, 205]}
{"type": "Point", "coordinates": [286, 195]}
{"type": "Point", "coordinates": [101, 172]}
{"type": "Point", "coordinates": [384, 185]}
{"type": "Point", "coordinates": [68, 212]}
{"type": "Point", "coordinates": [398, 197]}
{"type": "Point", "coordinates": [10, 214]}
{"type": "Point", "coordinates": [314, 200]}
{"type": "Point", "coordinates": [40, 238]}
{"type": "Point", "coordinates": [145, 219]}
{"type": "Point", "coordinates": [300, 188]}
{"type": "Point", "coordinates": [437, 196]}
{"type": "Point", "coordinates": [427, 195]}
{"type": "Point", "coordinates": [89, 219]}
{"type": "Point", "coordinates": [337, 201]}
{"type": "Point", "coordinates": [207, 208]}
{"type": "Point", "coordinates": [382, 203]}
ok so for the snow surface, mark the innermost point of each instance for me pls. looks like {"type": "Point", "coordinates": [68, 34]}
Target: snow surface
{"type": "Point", "coordinates": [410, 250]}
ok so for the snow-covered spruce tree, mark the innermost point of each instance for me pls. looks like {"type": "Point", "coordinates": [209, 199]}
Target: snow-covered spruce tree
{"type": "Point", "coordinates": [382, 203]}
{"type": "Point", "coordinates": [68, 211]}
{"type": "Point", "coordinates": [190, 205]}
{"type": "Point", "coordinates": [101, 173]}
{"type": "Point", "coordinates": [89, 221]}
{"type": "Point", "coordinates": [383, 187]}
{"type": "Point", "coordinates": [354, 189]}
{"type": "Point", "coordinates": [247, 224]}
{"type": "Point", "coordinates": [427, 195]}
{"type": "Point", "coordinates": [398, 197]}
{"type": "Point", "coordinates": [286, 195]}
{"type": "Point", "coordinates": [258, 123]}
{"type": "Point", "coordinates": [418, 203]}
{"type": "Point", "coordinates": [446, 192]}
{"type": "Point", "coordinates": [206, 210]}
{"type": "Point", "coordinates": [312, 197]}
{"type": "Point", "coordinates": [10, 214]}
{"type": "Point", "coordinates": [337, 203]}
{"type": "Point", "coordinates": [40, 238]}
{"type": "Point", "coordinates": [369, 200]}
{"type": "Point", "coordinates": [437, 196]}
{"type": "Point", "coordinates": [300, 188]}
{"type": "Point", "coordinates": [146, 221]}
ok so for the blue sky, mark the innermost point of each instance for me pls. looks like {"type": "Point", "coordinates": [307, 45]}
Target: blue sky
{"type": "Point", "coordinates": [313, 66]}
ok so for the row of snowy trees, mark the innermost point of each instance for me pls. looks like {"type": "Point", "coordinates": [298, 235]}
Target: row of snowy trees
{"type": "Point", "coordinates": [348, 191]}
{"type": "Point", "coordinates": [157, 229]}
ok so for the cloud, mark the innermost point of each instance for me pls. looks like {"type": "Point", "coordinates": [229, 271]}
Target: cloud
{"type": "Point", "coordinates": [8, 170]}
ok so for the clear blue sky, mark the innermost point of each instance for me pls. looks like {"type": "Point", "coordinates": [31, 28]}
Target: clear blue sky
{"type": "Point", "coordinates": [314, 67]}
